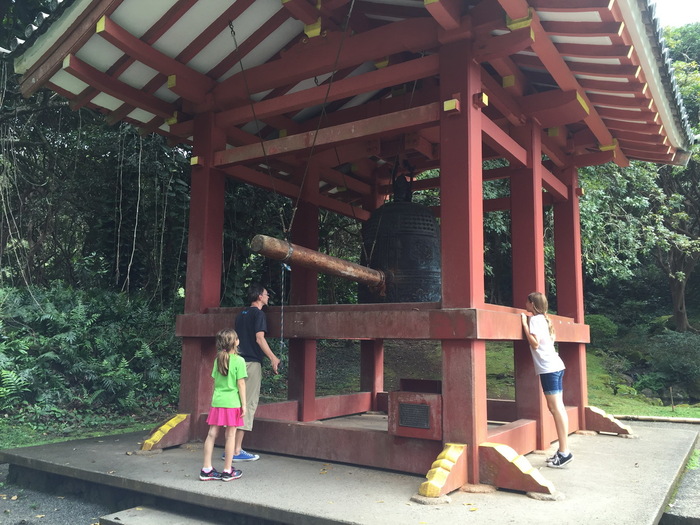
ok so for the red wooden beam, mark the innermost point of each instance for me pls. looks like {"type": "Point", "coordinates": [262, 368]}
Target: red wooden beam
{"type": "Point", "coordinates": [398, 121]}
{"type": "Point", "coordinates": [555, 108]}
{"type": "Point", "coordinates": [502, 46]}
{"type": "Point", "coordinates": [249, 43]}
{"type": "Point", "coordinates": [634, 88]}
{"type": "Point", "coordinates": [302, 10]}
{"type": "Point", "coordinates": [559, 190]}
{"type": "Point", "coordinates": [378, 79]}
{"type": "Point", "coordinates": [643, 138]}
{"type": "Point", "coordinates": [630, 72]}
{"type": "Point", "coordinates": [447, 13]}
{"type": "Point", "coordinates": [116, 88]}
{"type": "Point", "coordinates": [389, 320]}
{"type": "Point", "coordinates": [593, 159]}
{"type": "Point", "coordinates": [613, 101]}
{"type": "Point", "coordinates": [342, 180]}
{"type": "Point", "coordinates": [572, 5]}
{"type": "Point", "coordinates": [157, 30]}
{"type": "Point", "coordinates": [502, 100]}
{"type": "Point", "coordinates": [589, 29]}
{"type": "Point", "coordinates": [621, 52]}
{"type": "Point", "coordinates": [638, 127]}
{"type": "Point", "coordinates": [282, 187]}
{"type": "Point", "coordinates": [644, 116]}
{"type": "Point", "coordinates": [69, 43]}
{"type": "Point", "coordinates": [558, 68]}
{"type": "Point", "coordinates": [321, 56]}
{"type": "Point", "coordinates": [184, 81]}
{"type": "Point", "coordinates": [502, 142]}
{"type": "Point", "coordinates": [640, 149]}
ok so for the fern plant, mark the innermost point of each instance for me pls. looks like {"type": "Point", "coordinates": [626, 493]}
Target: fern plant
{"type": "Point", "coordinates": [12, 388]}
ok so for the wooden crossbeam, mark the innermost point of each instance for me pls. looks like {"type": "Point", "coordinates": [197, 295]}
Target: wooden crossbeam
{"type": "Point", "coordinates": [116, 88]}
{"type": "Point", "coordinates": [399, 121]}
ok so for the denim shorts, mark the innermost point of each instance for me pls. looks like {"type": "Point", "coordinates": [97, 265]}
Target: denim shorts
{"type": "Point", "coordinates": [552, 382]}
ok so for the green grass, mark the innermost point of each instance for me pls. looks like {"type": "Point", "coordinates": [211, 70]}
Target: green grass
{"type": "Point", "coordinates": [694, 461]}
{"type": "Point", "coordinates": [500, 385]}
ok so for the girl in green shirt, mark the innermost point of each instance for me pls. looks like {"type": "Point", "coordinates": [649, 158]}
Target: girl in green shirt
{"type": "Point", "coordinates": [227, 405]}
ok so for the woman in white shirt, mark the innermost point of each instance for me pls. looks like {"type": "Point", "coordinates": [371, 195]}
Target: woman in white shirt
{"type": "Point", "coordinates": [539, 333]}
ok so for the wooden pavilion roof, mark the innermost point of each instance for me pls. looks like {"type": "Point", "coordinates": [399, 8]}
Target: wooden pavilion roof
{"type": "Point", "coordinates": [282, 77]}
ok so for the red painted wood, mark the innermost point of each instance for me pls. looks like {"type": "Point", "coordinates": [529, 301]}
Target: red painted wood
{"type": "Point", "coordinates": [335, 406]}
{"type": "Point", "coordinates": [285, 410]}
{"type": "Point", "coordinates": [433, 401]}
{"type": "Point", "coordinates": [461, 183]}
{"type": "Point", "coordinates": [408, 119]}
{"type": "Point", "coordinates": [569, 278]}
{"type": "Point", "coordinates": [502, 46]}
{"type": "Point", "coordinates": [528, 272]}
{"type": "Point", "coordinates": [502, 410]}
{"type": "Point", "coordinates": [198, 44]}
{"type": "Point", "coordinates": [304, 290]}
{"type": "Point", "coordinates": [302, 10]}
{"type": "Point", "coordinates": [116, 88]}
{"type": "Point", "coordinates": [372, 368]}
{"type": "Point", "coordinates": [204, 249]}
{"type": "Point", "coordinates": [326, 407]}
{"type": "Point", "coordinates": [393, 321]}
{"type": "Point", "coordinates": [203, 280]}
{"type": "Point", "coordinates": [558, 68]}
{"type": "Point", "coordinates": [520, 435]}
{"type": "Point", "coordinates": [149, 37]}
{"type": "Point", "coordinates": [445, 12]}
{"type": "Point", "coordinates": [464, 398]}
{"type": "Point", "coordinates": [502, 142]}
{"type": "Point", "coordinates": [196, 385]}
{"type": "Point", "coordinates": [527, 227]}
{"type": "Point", "coordinates": [318, 56]}
{"type": "Point", "coordinates": [375, 449]}
{"type": "Point", "coordinates": [75, 36]}
{"type": "Point", "coordinates": [340, 89]}
{"type": "Point", "coordinates": [136, 49]}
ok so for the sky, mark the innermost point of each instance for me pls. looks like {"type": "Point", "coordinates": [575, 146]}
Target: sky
{"type": "Point", "coordinates": [677, 13]}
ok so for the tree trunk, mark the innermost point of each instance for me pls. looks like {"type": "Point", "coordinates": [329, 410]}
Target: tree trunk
{"type": "Point", "coordinates": [680, 314]}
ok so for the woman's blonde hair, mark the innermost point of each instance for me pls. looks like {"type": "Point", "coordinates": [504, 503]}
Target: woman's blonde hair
{"type": "Point", "coordinates": [226, 342]}
{"type": "Point", "coordinates": [540, 305]}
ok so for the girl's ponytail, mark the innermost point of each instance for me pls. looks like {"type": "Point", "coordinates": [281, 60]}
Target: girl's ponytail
{"type": "Point", "coordinates": [222, 361]}
{"type": "Point", "coordinates": [226, 341]}
{"type": "Point", "coordinates": [540, 306]}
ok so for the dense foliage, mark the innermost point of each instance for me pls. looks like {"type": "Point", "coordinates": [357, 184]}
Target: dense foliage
{"type": "Point", "coordinates": [67, 352]}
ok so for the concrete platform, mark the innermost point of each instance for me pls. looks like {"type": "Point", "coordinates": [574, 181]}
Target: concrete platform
{"type": "Point", "coordinates": [612, 480]}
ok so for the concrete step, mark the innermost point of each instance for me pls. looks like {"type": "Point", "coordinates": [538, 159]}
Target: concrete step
{"type": "Point", "coordinates": [149, 516]}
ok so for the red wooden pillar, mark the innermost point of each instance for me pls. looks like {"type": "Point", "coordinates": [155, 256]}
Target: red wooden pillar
{"type": "Point", "coordinates": [304, 290]}
{"type": "Point", "coordinates": [372, 351]}
{"type": "Point", "coordinates": [569, 278]}
{"type": "Point", "coordinates": [204, 253]}
{"type": "Point", "coordinates": [462, 251]}
{"type": "Point", "coordinates": [527, 237]}
{"type": "Point", "coordinates": [372, 368]}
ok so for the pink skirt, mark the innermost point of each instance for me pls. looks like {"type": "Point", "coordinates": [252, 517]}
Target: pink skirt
{"type": "Point", "coordinates": [225, 417]}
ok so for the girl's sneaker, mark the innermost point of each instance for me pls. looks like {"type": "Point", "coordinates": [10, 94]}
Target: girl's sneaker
{"type": "Point", "coordinates": [560, 461]}
{"type": "Point", "coordinates": [228, 476]}
{"type": "Point", "coordinates": [210, 476]}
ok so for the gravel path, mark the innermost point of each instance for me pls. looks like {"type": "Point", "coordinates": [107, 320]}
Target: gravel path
{"type": "Point", "coordinates": [20, 506]}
